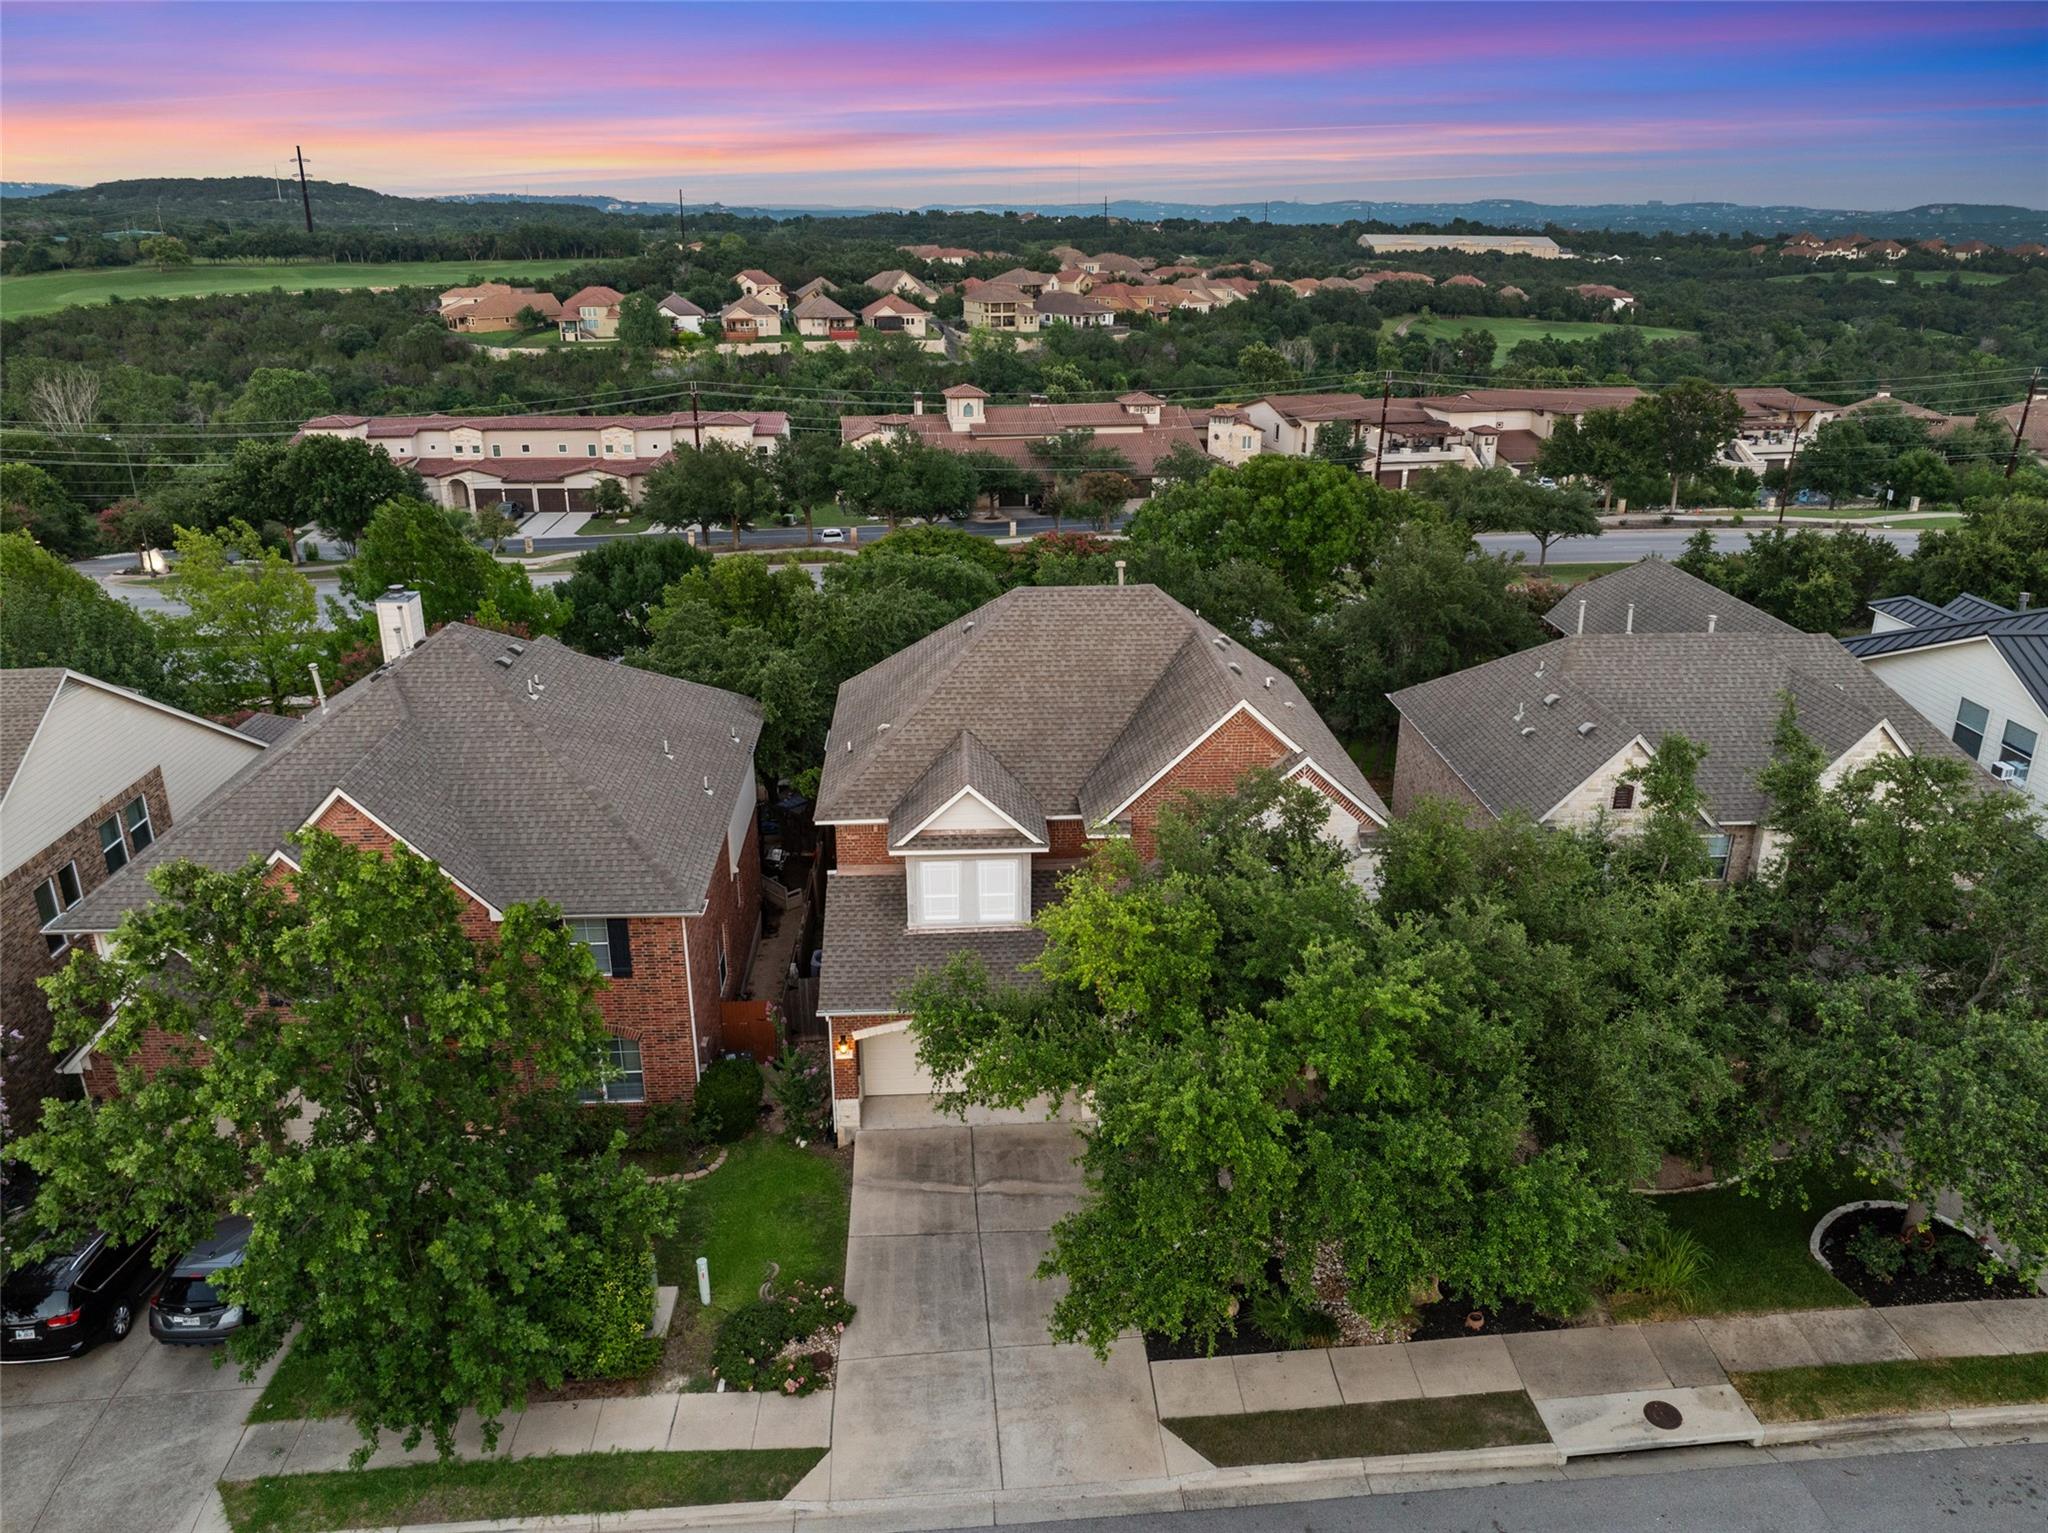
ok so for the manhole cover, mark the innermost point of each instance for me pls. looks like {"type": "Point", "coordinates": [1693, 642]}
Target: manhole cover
{"type": "Point", "coordinates": [1662, 1414]}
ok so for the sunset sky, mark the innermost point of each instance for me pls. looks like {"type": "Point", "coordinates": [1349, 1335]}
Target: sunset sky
{"type": "Point", "coordinates": [1865, 105]}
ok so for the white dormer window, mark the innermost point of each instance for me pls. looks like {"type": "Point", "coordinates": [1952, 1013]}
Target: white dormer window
{"type": "Point", "coordinates": [966, 891]}
{"type": "Point", "coordinates": [939, 893]}
{"type": "Point", "coordinates": [996, 890]}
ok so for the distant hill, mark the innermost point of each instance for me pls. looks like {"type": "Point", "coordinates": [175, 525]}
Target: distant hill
{"type": "Point", "coordinates": [606, 204]}
{"type": "Point", "coordinates": [31, 188]}
{"type": "Point", "coordinates": [241, 201]}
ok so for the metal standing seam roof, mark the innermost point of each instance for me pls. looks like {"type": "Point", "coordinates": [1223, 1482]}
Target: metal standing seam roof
{"type": "Point", "coordinates": [1722, 690]}
{"type": "Point", "coordinates": [1909, 609]}
{"type": "Point", "coordinates": [602, 788]}
{"type": "Point", "coordinates": [1148, 679]}
{"type": "Point", "coordinates": [1666, 600]}
{"type": "Point", "coordinates": [2021, 639]}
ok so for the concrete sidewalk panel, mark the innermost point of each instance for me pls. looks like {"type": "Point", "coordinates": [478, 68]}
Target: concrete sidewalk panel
{"type": "Point", "coordinates": [923, 1424]}
{"type": "Point", "coordinates": [42, 1443]}
{"type": "Point", "coordinates": [2022, 1324]}
{"type": "Point", "coordinates": [328, 1443]}
{"type": "Point", "coordinates": [883, 1209]}
{"type": "Point", "coordinates": [1019, 1301]}
{"type": "Point", "coordinates": [1851, 1336]}
{"type": "Point", "coordinates": [794, 1421]}
{"type": "Point", "coordinates": [1753, 1343]}
{"type": "Point", "coordinates": [1065, 1418]}
{"type": "Point", "coordinates": [915, 1294]}
{"type": "Point", "coordinates": [1945, 1330]}
{"type": "Point", "coordinates": [1684, 1354]}
{"type": "Point", "coordinates": [1286, 1381]}
{"type": "Point", "coordinates": [556, 1426]}
{"type": "Point", "coordinates": [934, 1159]}
{"type": "Point", "coordinates": [635, 1423]}
{"type": "Point", "coordinates": [264, 1448]}
{"type": "Point", "coordinates": [1196, 1386]}
{"type": "Point", "coordinates": [1180, 1458]}
{"type": "Point", "coordinates": [706, 1422]}
{"type": "Point", "coordinates": [1588, 1360]}
{"type": "Point", "coordinates": [1479, 1365]}
{"type": "Point", "coordinates": [1367, 1374]}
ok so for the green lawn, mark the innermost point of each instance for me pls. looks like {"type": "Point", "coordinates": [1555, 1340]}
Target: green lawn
{"type": "Point", "coordinates": [1880, 1389]}
{"type": "Point", "coordinates": [1757, 1254]}
{"type": "Point", "coordinates": [517, 340]}
{"type": "Point", "coordinates": [47, 292]}
{"type": "Point", "coordinates": [769, 1202]}
{"type": "Point", "coordinates": [472, 1491]}
{"type": "Point", "coordinates": [1876, 274]}
{"type": "Point", "coordinates": [1570, 574]}
{"type": "Point", "coordinates": [298, 1389]}
{"type": "Point", "coordinates": [1509, 333]}
{"type": "Point", "coordinates": [1363, 1431]}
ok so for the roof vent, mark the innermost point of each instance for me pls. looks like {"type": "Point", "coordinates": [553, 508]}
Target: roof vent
{"type": "Point", "coordinates": [878, 729]}
{"type": "Point", "coordinates": [707, 785]}
{"type": "Point", "coordinates": [968, 627]}
{"type": "Point", "coordinates": [1269, 683]}
{"type": "Point", "coordinates": [1233, 667]}
{"type": "Point", "coordinates": [1585, 729]}
{"type": "Point", "coordinates": [849, 747]}
{"type": "Point", "coordinates": [517, 649]}
{"type": "Point", "coordinates": [1550, 699]}
{"type": "Point", "coordinates": [1528, 730]}
{"type": "Point", "coordinates": [666, 753]}
{"type": "Point", "coordinates": [1219, 641]}
{"type": "Point", "coordinates": [504, 660]}
{"type": "Point", "coordinates": [734, 733]}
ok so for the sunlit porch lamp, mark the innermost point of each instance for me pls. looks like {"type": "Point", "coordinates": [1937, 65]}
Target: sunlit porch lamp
{"type": "Point", "coordinates": [842, 1048]}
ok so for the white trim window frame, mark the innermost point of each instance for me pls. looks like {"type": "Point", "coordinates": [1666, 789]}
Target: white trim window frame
{"type": "Point", "coordinates": [55, 895]}
{"type": "Point", "coordinates": [595, 936]}
{"type": "Point", "coordinates": [135, 820]}
{"type": "Point", "coordinates": [624, 1074]}
{"type": "Point", "coordinates": [996, 892]}
{"type": "Point", "coordinates": [939, 901]}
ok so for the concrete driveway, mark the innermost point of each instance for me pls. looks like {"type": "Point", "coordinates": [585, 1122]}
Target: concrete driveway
{"type": "Point", "coordinates": [132, 1435]}
{"type": "Point", "coordinates": [948, 1380]}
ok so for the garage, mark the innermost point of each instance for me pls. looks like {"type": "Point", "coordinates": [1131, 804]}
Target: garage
{"type": "Point", "coordinates": [889, 1067]}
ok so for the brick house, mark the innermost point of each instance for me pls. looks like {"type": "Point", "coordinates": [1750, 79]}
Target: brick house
{"type": "Point", "coordinates": [91, 776]}
{"type": "Point", "coordinates": [1549, 732]}
{"type": "Point", "coordinates": [964, 774]}
{"type": "Point", "coordinates": [527, 771]}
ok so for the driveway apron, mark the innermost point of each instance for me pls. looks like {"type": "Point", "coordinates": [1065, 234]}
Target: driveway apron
{"type": "Point", "coordinates": [948, 1379]}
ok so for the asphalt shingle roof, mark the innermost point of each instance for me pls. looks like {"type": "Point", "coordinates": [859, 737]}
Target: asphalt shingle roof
{"type": "Point", "coordinates": [25, 696]}
{"type": "Point", "coordinates": [556, 776]}
{"type": "Point", "coordinates": [1148, 678]}
{"type": "Point", "coordinates": [967, 763]}
{"type": "Point", "coordinates": [872, 957]}
{"type": "Point", "coordinates": [1666, 600]}
{"type": "Point", "coordinates": [1723, 690]}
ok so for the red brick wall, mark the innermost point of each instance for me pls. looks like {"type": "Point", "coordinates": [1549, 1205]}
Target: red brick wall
{"type": "Point", "coordinates": [1237, 746]}
{"type": "Point", "coordinates": [31, 1067]}
{"type": "Point", "coordinates": [1419, 773]}
{"type": "Point", "coordinates": [856, 846]}
{"type": "Point", "coordinates": [732, 914]}
{"type": "Point", "coordinates": [1068, 839]}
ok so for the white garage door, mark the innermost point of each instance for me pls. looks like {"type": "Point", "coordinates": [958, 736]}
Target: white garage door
{"type": "Point", "coordinates": [889, 1067]}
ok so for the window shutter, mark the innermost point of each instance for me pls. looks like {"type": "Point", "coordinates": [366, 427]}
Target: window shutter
{"type": "Point", "coordinates": [622, 948]}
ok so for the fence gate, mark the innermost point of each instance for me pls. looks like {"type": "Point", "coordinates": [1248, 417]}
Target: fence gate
{"type": "Point", "coordinates": [749, 1028]}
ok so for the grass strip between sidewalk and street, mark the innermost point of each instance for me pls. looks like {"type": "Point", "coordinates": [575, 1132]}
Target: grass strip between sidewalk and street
{"type": "Point", "coordinates": [1890, 1389]}
{"type": "Point", "coordinates": [475, 1490]}
{"type": "Point", "coordinates": [1381, 1428]}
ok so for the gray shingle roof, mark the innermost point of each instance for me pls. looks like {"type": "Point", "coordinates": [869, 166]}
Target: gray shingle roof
{"type": "Point", "coordinates": [1722, 690]}
{"type": "Point", "coordinates": [871, 957]}
{"type": "Point", "coordinates": [267, 727]}
{"type": "Point", "coordinates": [589, 792]}
{"type": "Point", "coordinates": [967, 763]}
{"type": "Point", "coordinates": [1082, 692]}
{"type": "Point", "coordinates": [2020, 637]}
{"type": "Point", "coordinates": [25, 696]}
{"type": "Point", "coordinates": [1666, 600]}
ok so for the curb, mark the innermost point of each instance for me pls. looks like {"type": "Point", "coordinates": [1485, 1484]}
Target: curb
{"type": "Point", "coordinates": [1784, 1433]}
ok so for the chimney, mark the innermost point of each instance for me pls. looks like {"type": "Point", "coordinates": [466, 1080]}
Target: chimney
{"type": "Point", "coordinates": [1040, 399]}
{"type": "Point", "coordinates": [1712, 619]}
{"type": "Point", "coordinates": [1119, 572]}
{"type": "Point", "coordinates": [401, 623]}
{"type": "Point", "coordinates": [2026, 600]}
{"type": "Point", "coordinates": [1582, 614]}
{"type": "Point", "coordinates": [917, 403]}
{"type": "Point", "coordinates": [1629, 625]}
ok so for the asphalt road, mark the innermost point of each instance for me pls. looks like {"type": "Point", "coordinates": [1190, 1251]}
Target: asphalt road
{"type": "Point", "coordinates": [1971, 1490]}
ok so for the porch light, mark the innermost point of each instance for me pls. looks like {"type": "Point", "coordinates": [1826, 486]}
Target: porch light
{"type": "Point", "coordinates": [842, 1049]}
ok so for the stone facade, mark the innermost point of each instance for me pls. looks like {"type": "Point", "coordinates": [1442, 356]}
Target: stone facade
{"type": "Point", "coordinates": [26, 958]}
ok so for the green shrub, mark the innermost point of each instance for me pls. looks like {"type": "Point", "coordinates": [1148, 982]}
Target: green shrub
{"type": "Point", "coordinates": [1294, 1324]}
{"type": "Point", "coordinates": [728, 1100]}
{"type": "Point", "coordinates": [1878, 1251]}
{"type": "Point", "coordinates": [1666, 1267]}
{"type": "Point", "coordinates": [803, 1090]}
{"type": "Point", "coordinates": [749, 1351]}
{"type": "Point", "coordinates": [666, 1128]}
{"type": "Point", "coordinates": [607, 1334]}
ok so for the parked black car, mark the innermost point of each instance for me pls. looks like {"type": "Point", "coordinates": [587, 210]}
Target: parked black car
{"type": "Point", "coordinates": [62, 1306]}
{"type": "Point", "coordinates": [188, 1310]}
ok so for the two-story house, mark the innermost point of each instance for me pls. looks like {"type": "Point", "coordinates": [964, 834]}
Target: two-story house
{"type": "Point", "coordinates": [903, 285]}
{"type": "Point", "coordinates": [526, 771]}
{"type": "Point", "coordinates": [91, 776]}
{"type": "Point", "coordinates": [1551, 732]}
{"type": "Point", "coordinates": [964, 774]}
{"type": "Point", "coordinates": [750, 319]}
{"type": "Point", "coordinates": [591, 314]}
{"type": "Point", "coordinates": [820, 318]}
{"type": "Point", "coordinates": [1974, 669]}
{"type": "Point", "coordinates": [893, 314]}
{"type": "Point", "coordinates": [754, 283]}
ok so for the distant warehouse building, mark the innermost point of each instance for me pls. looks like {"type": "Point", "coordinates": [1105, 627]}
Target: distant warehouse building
{"type": "Point", "coordinates": [1538, 245]}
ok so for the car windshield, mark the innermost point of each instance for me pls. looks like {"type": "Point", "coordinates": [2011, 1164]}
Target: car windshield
{"type": "Point", "coordinates": [183, 1291]}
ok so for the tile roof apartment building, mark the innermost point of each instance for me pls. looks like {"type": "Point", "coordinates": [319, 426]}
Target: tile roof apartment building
{"type": "Point", "coordinates": [91, 777]}
{"type": "Point", "coordinates": [527, 771]}
{"type": "Point", "coordinates": [1138, 426]}
{"type": "Point", "coordinates": [546, 462]}
{"type": "Point", "coordinates": [964, 774]}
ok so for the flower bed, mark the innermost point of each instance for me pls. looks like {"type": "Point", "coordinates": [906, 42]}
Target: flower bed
{"type": "Point", "coordinates": [788, 1343]}
{"type": "Point", "coordinates": [1863, 1246]}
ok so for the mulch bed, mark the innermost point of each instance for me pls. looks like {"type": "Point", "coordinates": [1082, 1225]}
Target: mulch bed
{"type": "Point", "coordinates": [1944, 1282]}
{"type": "Point", "coordinates": [1445, 1320]}
{"type": "Point", "coordinates": [1247, 1339]}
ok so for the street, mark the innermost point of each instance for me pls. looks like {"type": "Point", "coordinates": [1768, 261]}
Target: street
{"type": "Point", "coordinates": [1982, 1490]}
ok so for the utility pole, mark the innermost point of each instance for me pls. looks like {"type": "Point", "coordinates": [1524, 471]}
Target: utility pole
{"type": "Point", "coordinates": [1379, 448]}
{"type": "Point", "coordinates": [682, 228]}
{"type": "Point", "coordinates": [696, 429]}
{"type": "Point", "coordinates": [1785, 486]}
{"type": "Point", "coordinates": [2019, 435]}
{"type": "Point", "coordinates": [305, 196]}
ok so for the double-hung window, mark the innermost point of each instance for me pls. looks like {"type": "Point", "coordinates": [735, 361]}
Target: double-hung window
{"type": "Point", "coordinates": [55, 895]}
{"type": "Point", "coordinates": [624, 1080]}
{"type": "Point", "coordinates": [2018, 748]}
{"type": "Point", "coordinates": [995, 891]}
{"type": "Point", "coordinates": [1718, 849]}
{"type": "Point", "coordinates": [112, 847]}
{"type": "Point", "coordinates": [1971, 721]}
{"type": "Point", "coordinates": [135, 813]}
{"type": "Point", "coordinates": [939, 893]}
{"type": "Point", "coordinates": [610, 944]}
